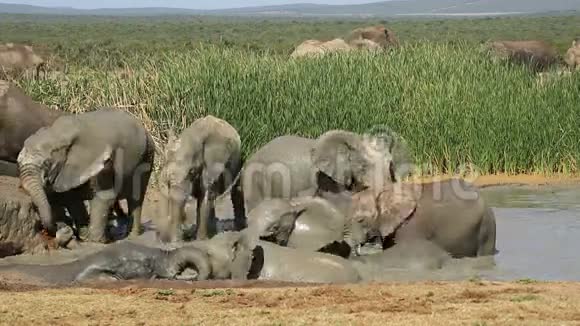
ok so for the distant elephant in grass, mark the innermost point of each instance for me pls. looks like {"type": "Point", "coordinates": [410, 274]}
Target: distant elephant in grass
{"type": "Point", "coordinates": [108, 153]}
{"type": "Point", "coordinates": [451, 213]}
{"type": "Point", "coordinates": [338, 161]}
{"type": "Point", "coordinates": [379, 34]}
{"type": "Point", "coordinates": [572, 58]}
{"type": "Point", "coordinates": [19, 57]}
{"type": "Point", "coordinates": [537, 55]}
{"type": "Point", "coordinates": [315, 48]}
{"type": "Point", "coordinates": [203, 162]}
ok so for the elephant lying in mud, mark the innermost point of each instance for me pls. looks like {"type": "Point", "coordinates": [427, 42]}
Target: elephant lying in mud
{"type": "Point", "coordinates": [203, 162]}
{"type": "Point", "coordinates": [121, 261]}
{"type": "Point", "coordinates": [226, 256]}
{"type": "Point", "coordinates": [338, 161]}
{"type": "Point", "coordinates": [306, 223]}
{"type": "Point", "coordinates": [451, 213]}
{"type": "Point", "coordinates": [108, 153]}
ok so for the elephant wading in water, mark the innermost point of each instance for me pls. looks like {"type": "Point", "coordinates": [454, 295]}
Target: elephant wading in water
{"type": "Point", "coordinates": [107, 152]}
{"type": "Point", "coordinates": [451, 213]}
{"type": "Point", "coordinates": [203, 162]}
{"type": "Point", "coordinates": [338, 161]}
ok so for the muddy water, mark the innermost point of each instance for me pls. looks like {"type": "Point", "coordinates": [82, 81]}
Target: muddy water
{"type": "Point", "coordinates": [538, 237]}
{"type": "Point", "coordinates": [538, 232]}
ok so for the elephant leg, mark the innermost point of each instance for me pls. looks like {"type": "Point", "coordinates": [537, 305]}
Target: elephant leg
{"type": "Point", "coordinates": [135, 208]}
{"type": "Point", "coordinates": [80, 217]}
{"type": "Point", "coordinates": [100, 208]}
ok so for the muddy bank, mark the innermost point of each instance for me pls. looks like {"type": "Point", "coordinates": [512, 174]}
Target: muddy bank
{"type": "Point", "coordinates": [427, 303]}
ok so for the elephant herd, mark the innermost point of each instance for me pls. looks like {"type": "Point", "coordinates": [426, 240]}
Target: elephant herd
{"type": "Point", "coordinates": [304, 209]}
{"type": "Point", "coordinates": [536, 54]}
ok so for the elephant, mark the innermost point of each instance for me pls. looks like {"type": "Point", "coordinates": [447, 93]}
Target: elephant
{"type": "Point", "coordinates": [122, 261]}
{"type": "Point", "coordinates": [292, 166]}
{"type": "Point", "coordinates": [295, 265]}
{"type": "Point", "coordinates": [106, 153]}
{"type": "Point", "coordinates": [20, 117]}
{"type": "Point", "coordinates": [14, 57]}
{"type": "Point", "coordinates": [203, 162]}
{"type": "Point", "coordinates": [450, 213]}
{"type": "Point", "coordinates": [316, 48]}
{"type": "Point", "coordinates": [537, 55]}
{"type": "Point", "coordinates": [306, 223]}
{"type": "Point", "coordinates": [379, 34]}
{"type": "Point", "coordinates": [572, 58]}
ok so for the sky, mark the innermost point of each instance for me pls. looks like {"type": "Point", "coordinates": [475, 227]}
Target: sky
{"type": "Point", "coordinates": [191, 4]}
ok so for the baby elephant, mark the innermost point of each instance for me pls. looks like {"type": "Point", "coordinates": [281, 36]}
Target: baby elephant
{"type": "Point", "coordinates": [108, 152]}
{"type": "Point", "coordinates": [452, 214]}
{"type": "Point", "coordinates": [307, 223]}
{"type": "Point", "coordinates": [203, 163]}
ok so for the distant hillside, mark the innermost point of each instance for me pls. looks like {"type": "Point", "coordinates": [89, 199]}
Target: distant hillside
{"type": "Point", "coordinates": [377, 9]}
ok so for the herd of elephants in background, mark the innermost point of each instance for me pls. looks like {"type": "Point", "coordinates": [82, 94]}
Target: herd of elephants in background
{"type": "Point", "coordinates": [330, 209]}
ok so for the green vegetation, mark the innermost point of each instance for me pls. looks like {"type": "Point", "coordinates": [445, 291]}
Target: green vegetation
{"type": "Point", "coordinates": [452, 103]}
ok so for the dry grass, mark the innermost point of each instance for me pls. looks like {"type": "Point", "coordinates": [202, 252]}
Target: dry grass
{"type": "Point", "coordinates": [431, 303]}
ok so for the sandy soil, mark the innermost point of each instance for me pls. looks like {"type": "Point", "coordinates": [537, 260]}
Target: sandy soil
{"type": "Point", "coordinates": [431, 303]}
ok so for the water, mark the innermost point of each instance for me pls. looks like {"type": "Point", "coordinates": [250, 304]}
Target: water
{"type": "Point", "coordinates": [538, 232]}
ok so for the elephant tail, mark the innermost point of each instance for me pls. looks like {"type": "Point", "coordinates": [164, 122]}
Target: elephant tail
{"type": "Point", "coordinates": [32, 183]}
{"type": "Point", "coordinates": [186, 257]}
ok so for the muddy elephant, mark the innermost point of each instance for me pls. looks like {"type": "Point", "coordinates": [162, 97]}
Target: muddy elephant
{"type": "Point", "coordinates": [107, 153]}
{"type": "Point", "coordinates": [19, 57]}
{"type": "Point", "coordinates": [337, 161]}
{"type": "Point", "coordinates": [20, 117]}
{"type": "Point", "coordinates": [308, 223]}
{"type": "Point", "coordinates": [572, 58]}
{"type": "Point", "coordinates": [451, 213]}
{"type": "Point", "coordinates": [122, 261]}
{"type": "Point", "coordinates": [380, 35]}
{"type": "Point", "coordinates": [537, 55]}
{"type": "Point", "coordinates": [203, 162]}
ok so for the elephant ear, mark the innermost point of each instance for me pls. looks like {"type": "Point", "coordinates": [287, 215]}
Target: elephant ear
{"type": "Point", "coordinates": [395, 205]}
{"type": "Point", "coordinates": [80, 166]}
{"type": "Point", "coordinates": [340, 155]}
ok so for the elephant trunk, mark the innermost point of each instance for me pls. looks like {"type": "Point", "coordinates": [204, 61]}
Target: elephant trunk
{"type": "Point", "coordinates": [172, 213]}
{"type": "Point", "coordinates": [32, 183]}
{"type": "Point", "coordinates": [182, 258]}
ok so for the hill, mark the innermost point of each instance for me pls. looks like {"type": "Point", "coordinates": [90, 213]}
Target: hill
{"type": "Point", "coordinates": [376, 9]}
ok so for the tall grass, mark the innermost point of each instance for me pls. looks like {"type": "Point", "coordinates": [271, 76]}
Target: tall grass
{"type": "Point", "coordinates": [452, 103]}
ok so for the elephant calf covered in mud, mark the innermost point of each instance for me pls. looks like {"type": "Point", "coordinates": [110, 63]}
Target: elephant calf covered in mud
{"type": "Point", "coordinates": [203, 163]}
{"type": "Point", "coordinates": [107, 154]}
{"type": "Point", "coordinates": [451, 213]}
{"type": "Point", "coordinates": [306, 223]}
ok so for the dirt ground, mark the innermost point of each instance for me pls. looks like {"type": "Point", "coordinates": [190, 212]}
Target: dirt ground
{"type": "Point", "coordinates": [165, 303]}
